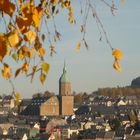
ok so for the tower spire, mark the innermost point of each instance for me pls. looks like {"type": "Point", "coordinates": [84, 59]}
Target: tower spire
{"type": "Point", "coordinates": [64, 83]}
{"type": "Point", "coordinates": [64, 69]}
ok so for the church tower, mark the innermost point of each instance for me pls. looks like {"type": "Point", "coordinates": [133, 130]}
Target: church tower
{"type": "Point", "coordinates": [66, 99]}
{"type": "Point", "coordinates": [64, 83]}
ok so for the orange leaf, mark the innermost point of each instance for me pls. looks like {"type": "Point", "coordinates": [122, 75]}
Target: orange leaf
{"type": "Point", "coordinates": [31, 53]}
{"type": "Point", "coordinates": [24, 48]}
{"type": "Point", "coordinates": [33, 72]}
{"type": "Point", "coordinates": [3, 51]}
{"type": "Point", "coordinates": [3, 46]}
{"type": "Point", "coordinates": [23, 23]}
{"type": "Point", "coordinates": [7, 7]}
{"type": "Point", "coordinates": [43, 37]}
{"type": "Point", "coordinates": [17, 72]}
{"type": "Point", "coordinates": [25, 67]}
{"type": "Point", "coordinates": [117, 54]}
{"type": "Point", "coordinates": [6, 71]}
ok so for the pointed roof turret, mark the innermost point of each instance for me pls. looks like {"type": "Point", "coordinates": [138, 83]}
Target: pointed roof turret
{"type": "Point", "coordinates": [64, 68]}
{"type": "Point", "coordinates": [64, 77]}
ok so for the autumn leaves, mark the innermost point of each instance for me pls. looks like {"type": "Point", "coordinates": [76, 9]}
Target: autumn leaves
{"type": "Point", "coordinates": [117, 56]}
{"type": "Point", "coordinates": [116, 53]}
{"type": "Point", "coordinates": [23, 37]}
{"type": "Point", "coordinates": [7, 7]}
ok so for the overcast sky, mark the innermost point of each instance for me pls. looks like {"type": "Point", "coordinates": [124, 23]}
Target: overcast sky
{"type": "Point", "coordinates": [92, 69]}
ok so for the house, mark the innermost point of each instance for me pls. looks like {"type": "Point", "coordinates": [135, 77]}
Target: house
{"type": "Point", "coordinates": [100, 135]}
{"type": "Point", "coordinates": [8, 101]}
{"type": "Point", "coordinates": [86, 134]}
{"type": "Point", "coordinates": [0, 101]}
{"type": "Point", "coordinates": [125, 119]}
{"type": "Point", "coordinates": [25, 137]}
{"type": "Point", "coordinates": [4, 110]}
{"type": "Point", "coordinates": [132, 100]}
{"type": "Point", "coordinates": [33, 132]}
{"type": "Point", "coordinates": [74, 129]}
{"type": "Point", "coordinates": [86, 125]}
{"type": "Point", "coordinates": [130, 137]}
{"type": "Point", "coordinates": [23, 104]}
{"type": "Point", "coordinates": [109, 135]}
{"type": "Point", "coordinates": [119, 134]}
{"type": "Point", "coordinates": [121, 102]}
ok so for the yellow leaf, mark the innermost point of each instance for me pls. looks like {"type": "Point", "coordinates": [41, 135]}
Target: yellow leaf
{"type": "Point", "coordinates": [20, 54]}
{"type": "Point", "coordinates": [45, 67]}
{"type": "Point", "coordinates": [17, 97]}
{"type": "Point", "coordinates": [41, 52]}
{"type": "Point", "coordinates": [78, 46]}
{"type": "Point", "coordinates": [37, 14]}
{"type": "Point", "coordinates": [70, 19]}
{"type": "Point", "coordinates": [30, 36]}
{"type": "Point", "coordinates": [10, 26]}
{"type": "Point", "coordinates": [14, 39]}
{"type": "Point", "coordinates": [24, 51]}
{"type": "Point", "coordinates": [42, 78]}
{"type": "Point", "coordinates": [117, 54]}
{"type": "Point", "coordinates": [117, 66]}
{"type": "Point", "coordinates": [15, 56]}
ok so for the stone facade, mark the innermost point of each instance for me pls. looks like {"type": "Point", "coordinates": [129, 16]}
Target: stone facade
{"type": "Point", "coordinates": [67, 105]}
{"type": "Point", "coordinates": [50, 107]}
{"type": "Point", "coordinates": [65, 89]}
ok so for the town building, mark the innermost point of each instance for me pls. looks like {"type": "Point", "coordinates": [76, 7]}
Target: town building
{"type": "Point", "coordinates": [61, 104]}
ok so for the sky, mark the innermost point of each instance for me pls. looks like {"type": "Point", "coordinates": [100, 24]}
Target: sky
{"type": "Point", "coordinates": [90, 69]}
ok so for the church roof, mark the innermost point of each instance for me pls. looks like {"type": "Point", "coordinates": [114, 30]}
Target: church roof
{"type": "Point", "coordinates": [64, 77]}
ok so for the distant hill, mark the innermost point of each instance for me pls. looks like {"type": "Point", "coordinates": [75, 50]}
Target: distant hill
{"type": "Point", "coordinates": [133, 89]}
{"type": "Point", "coordinates": [135, 82]}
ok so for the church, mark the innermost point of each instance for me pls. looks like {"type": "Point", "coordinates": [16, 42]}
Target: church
{"type": "Point", "coordinates": [61, 104]}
